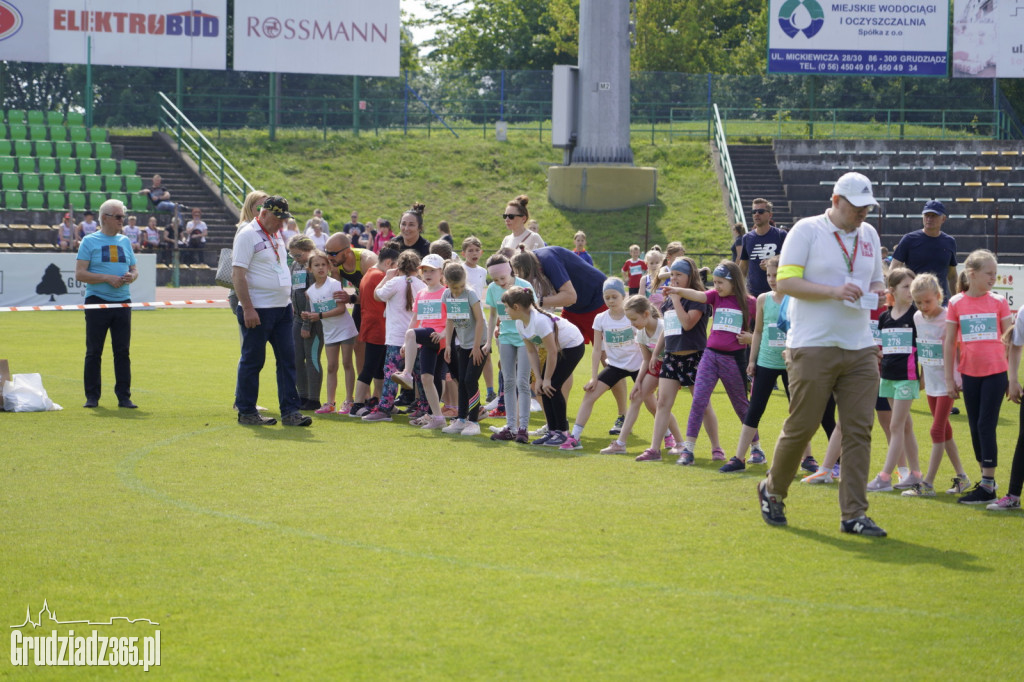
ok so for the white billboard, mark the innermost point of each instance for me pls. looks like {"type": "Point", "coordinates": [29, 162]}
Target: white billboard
{"type": "Point", "coordinates": [187, 34]}
{"type": "Point", "coordinates": [49, 279]}
{"type": "Point", "coordinates": [337, 37]}
{"type": "Point", "coordinates": [987, 39]}
{"type": "Point", "coordinates": [858, 38]}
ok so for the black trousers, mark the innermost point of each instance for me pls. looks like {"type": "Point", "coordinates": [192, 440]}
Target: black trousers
{"type": "Point", "coordinates": [118, 321]}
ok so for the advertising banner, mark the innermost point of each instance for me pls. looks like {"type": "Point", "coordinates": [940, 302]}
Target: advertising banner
{"type": "Point", "coordinates": [49, 279]}
{"type": "Point", "coordinates": [187, 34]}
{"type": "Point", "coordinates": [337, 37]}
{"type": "Point", "coordinates": [869, 38]}
{"type": "Point", "coordinates": [987, 39]}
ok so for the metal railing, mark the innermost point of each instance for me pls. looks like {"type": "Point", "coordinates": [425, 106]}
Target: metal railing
{"type": "Point", "coordinates": [732, 189]}
{"type": "Point", "coordinates": [231, 183]}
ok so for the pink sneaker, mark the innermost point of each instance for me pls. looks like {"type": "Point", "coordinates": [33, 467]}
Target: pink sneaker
{"type": "Point", "coordinates": [614, 449]}
{"type": "Point", "coordinates": [326, 408]}
{"type": "Point", "coordinates": [434, 423]}
{"type": "Point", "coordinates": [670, 441]}
{"type": "Point", "coordinates": [346, 407]}
{"type": "Point", "coordinates": [649, 455]}
{"type": "Point", "coordinates": [718, 455]}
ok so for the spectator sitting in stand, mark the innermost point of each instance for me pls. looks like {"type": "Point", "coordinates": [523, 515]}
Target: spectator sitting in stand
{"type": "Point", "coordinates": [317, 213]}
{"type": "Point", "coordinates": [167, 242]}
{"type": "Point", "coordinates": [151, 238]}
{"type": "Point", "coordinates": [67, 234]}
{"type": "Point", "coordinates": [194, 238]}
{"type": "Point", "coordinates": [87, 226]}
{"type": "Point", "coordinates": [131, 230]}
{"type": "Point", "coordinates": [160, 198]}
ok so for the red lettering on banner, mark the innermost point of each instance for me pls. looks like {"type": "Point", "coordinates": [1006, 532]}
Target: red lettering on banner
{"type": "Point", "coordinates": [356, 31]}
{"type": "Point", "coordinates": [120, 16]}
{"type": "Point", "coordinates": [136, 23]}
{"type": "Point", "coordinates": [341, 31]}
{"type": "Point", "coordinates": [324, 32]}
{"type": "Point", "coordinates": [72, 21]}
{"type": "Point", "coordinates": [156, 24]}
{"type": "Point", "coordinates": [253, 26]}
{"type": "Point", "coordinates": [304, 29]}
{"type": "Point", "coordinates": [60, 20]}
{"type": "Point", "coordinates": [101, 21]}
{"type": "Point", "coordinates": [377, 31]}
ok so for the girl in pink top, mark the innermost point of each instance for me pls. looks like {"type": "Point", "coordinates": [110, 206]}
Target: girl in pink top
{"type": "Point", "coordinates": [976, 320]}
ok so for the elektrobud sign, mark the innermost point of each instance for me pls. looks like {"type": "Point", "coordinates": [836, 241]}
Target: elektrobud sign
{"type": "Point", "coordinates": [858, 38]}
{"type": "Point", "coordinates": [341, 37]}
{"type": "Point", "coordinates": [189, 34]}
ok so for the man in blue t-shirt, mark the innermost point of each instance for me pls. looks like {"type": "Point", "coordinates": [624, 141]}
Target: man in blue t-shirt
{"type": "Point", "coordinates": [762, 242]}
{"type": "Point", "coordinates": [107, 266]}
{"type": "Point", "coordinates": [930, 249]}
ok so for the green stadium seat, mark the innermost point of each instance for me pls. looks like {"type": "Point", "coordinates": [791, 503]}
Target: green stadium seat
{"type": "Point", "coordinates": [78, 201]}
{"type": "Point", "coordinates": [30, 182]}
{"type": "Point", "coordinates": [56, 201]}
{"type": "Point", "coordinates": [26, 164]}
{"type": "Point", "coordinates": [55, 118]}
{"type": "Point", "coordinates": [10, 181]}
{"type": "Point", "coordinates": [93, 183]}
{"type": "Point", "coordinates": [139, 203]}
{"type": "Point", "coordinates": [76, 118]}
{"type": "Point", "coordinates": [47, 164]}
{"type": "Point", "coordinates": [96, 200]}
{"type": "Point", "coordinates": [36, 118]}
{"type": "Point", "coordinates": [51, 182]}
{"type": "Point", "coordinates": [83, 150]}
{"type": "Point", "coordinates": [78, 133]}
{"type": "Point", "coordinates": [7, 164]}
{"type": "Point", "coordinates": [113, 183]}
{"type": "Point", "coordinates": [103, 150]}
{"type": "Point", "coordinates": [58, 132]}
{"type": "Point", "coordinates": [39, 132]}
{"type": "Point", "coordinates": [14, 200]}
{"type": "Point", "coordinates": [15, 115]}
{"type": "Point", "coordinates": [87, 166]}
{"type": "Point", "coordinates": [132, 183]}
{"type": "Point", "coordinates": [6, 147]}
{"type": "Point", "coordinates": [72, 182]}
{"type": "Point", "coordinates": [128, 167]}
{"type": "Point", "coordinates": [17, 131]}
{"type": "Point", "coordinates": [35, 201]}
{"type": "Point", "coordinates": [108, 166]}
{"type": "Point", "coordinates": [43, 148]}
{"type": "Point", "coordinates": [98, 134]}
{"type": "Point", "coordinates": [120, 196]}
{"type": "Point", "coordinates": [22, 148]}
{"type": "Point", "coordinates": [63, 149]}
{"type": "Point", "coordinates": [66, 166]}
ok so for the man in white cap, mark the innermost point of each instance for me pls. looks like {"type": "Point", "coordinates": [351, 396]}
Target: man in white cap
{"type": "Point", "coordinates": [831, 268]}
{"type": "Point", "coordinates": [930, 249]}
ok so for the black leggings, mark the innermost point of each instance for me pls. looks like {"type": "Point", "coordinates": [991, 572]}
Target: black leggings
{"type": "Point", "coordinates": [469, 384]}
{"type": "Point", "coordinates": [373, 363]}
{"type": "Point", "coordinates": [983, 396]}
{"type": "Point", "coordinates": [554, 405]}
{"type": "Point", "coordinates": [1017, 470]}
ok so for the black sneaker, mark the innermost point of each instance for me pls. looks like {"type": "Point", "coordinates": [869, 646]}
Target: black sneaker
{"type": "Point", "coordinates": [296, 419]}
{"type": "Point", "coordinates": [734, 464]}
{"type": "Point", "coordinates": [979, 494]}
{"type": "Point", "coordinates": [617, 429]}
{"type": "Point", "coordinates": [773, 509]}
{"type": "Point", "coordinates": [862, 525]}
{"type": "Point", "coordinates": [810, 465]}
{"type": "Point", "coordinates": [255, 419]}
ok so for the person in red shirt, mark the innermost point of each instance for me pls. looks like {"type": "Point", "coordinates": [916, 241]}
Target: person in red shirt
{"type": "Point", "coordinates": [372, 333]}
{"type": "Point", "coordinates": [634, 267]}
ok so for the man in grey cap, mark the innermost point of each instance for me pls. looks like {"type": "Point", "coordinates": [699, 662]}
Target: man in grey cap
{"type": "Point", "coordinates": [930, 249]}
{"type": "Point", "coordinates": [263, 283]}
{"type": "Point", "coordinates": [831, 268]}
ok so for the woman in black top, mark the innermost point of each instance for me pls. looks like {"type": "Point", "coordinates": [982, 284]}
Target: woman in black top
{"type": "Point", "coordinates": [411, 233]}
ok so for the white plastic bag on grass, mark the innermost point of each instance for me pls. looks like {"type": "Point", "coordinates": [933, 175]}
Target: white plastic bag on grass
{"type": "Point", "coordinates": [25, 393]}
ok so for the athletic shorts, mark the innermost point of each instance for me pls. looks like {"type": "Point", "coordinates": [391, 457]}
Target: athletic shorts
{"type": "Point", "coordinates": [657, 369]}
{"type": "Point", "coordinates": [903, 389]}
{"type": "Point", "coordinates": [585, 322]}
{"type": "Point", "coordinates": [681, 368]}
{"type": "Point", "coordinates": [610, 375]}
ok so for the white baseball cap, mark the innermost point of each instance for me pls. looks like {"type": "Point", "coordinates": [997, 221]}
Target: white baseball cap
{"type": "Point", "coordinates": [432, 260]}
{"type": "Point", "coordinates": [856, 189]}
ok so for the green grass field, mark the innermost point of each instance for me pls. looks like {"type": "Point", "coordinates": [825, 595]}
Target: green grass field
{"type": "Point", "coordinates": [375, 551]}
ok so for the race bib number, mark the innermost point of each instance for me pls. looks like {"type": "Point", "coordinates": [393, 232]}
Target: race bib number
{"type": "Point", "coordinates": [929, 352]}
{"type": "Point", "coordinates": [323, 306]}
{"type": "Point", "coordinates": [429, 310]}
{"type": "Point", "coordinates": [673, 327]}
{"type": "Point", "coordinates": [635, 270]}
{"type": "Point", "coordinates": [502, 313]}
{"type": "Point", "coordinates": [776, 337]}
{"type": "Point", "coordinates": [619, 337]}
{"type": "Point", "coordinates": [875, 333]}
{"type": "Point", "coordinates": [979, 327]}
{"type": "Point", "coordinates": [898, 341]}
{"type": "Point", "coordinates": [298, 280]}
{"type": "Point", "coordinates": [458, 308]}
{"type": "Point", "coordinates": [728, 320]}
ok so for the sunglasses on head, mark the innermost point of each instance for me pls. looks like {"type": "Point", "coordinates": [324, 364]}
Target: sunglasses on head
{"type": "Point", "coordinates": [511, 216]}
{"type": "Point", "coordinates": [759, 211]}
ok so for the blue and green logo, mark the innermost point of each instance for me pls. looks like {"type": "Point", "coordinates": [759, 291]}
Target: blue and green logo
{"type": "Point", "coordinates": [801, 16]}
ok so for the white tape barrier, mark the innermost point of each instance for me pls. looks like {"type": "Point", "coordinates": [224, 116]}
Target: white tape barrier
{"type": "Point", "coordinates": [104, 306]}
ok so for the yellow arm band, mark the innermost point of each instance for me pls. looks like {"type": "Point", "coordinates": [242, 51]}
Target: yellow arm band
{"type": "Point", "coordinates": [789, 271]}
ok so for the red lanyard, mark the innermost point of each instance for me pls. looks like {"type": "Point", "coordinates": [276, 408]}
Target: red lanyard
{"type": "Point", "coordinates": [272, 238]}
{"type": "Point", "coordinates": [850, 261]}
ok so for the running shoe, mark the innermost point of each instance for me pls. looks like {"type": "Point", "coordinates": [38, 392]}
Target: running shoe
{"type": "Point", "coordinates": [908, 482]}
{"type": "Point", "coordinates": [649, 455]}
{"type": "Point", "coordinates": [616, 448]}
{"type": "Point", "coordinates": [503, 434]}
{"type": "Point", "coordinates": [495, 413]}
{"type": "Point", "coordinates": [377, 416]}
{"type": "Point", "coordinates": [543, 440]}
{"type": "Point", "coordinates": [471, 429]}
{"type": "Point", "coordinates": [617, 428]}
{"type": "Point", "coordinates": [810, 465]}
{"type": "Point", "coordinates": [296, 419]}
{"type": "Point", "coordinates": [733, 465]}
{"type": "Point", "coordinates": [686, 456]}
{"type": "Point", "coordinates": [491, 404]}
{"type": "Point", "coordinates": [404, 380]}
{"type": "Point", "coordinates": [345, 408]}
{"type": "Point", "coordinates": [922, 489]}
{"type": "Point", "coordinates": [862, 525]}
{"type": "Point", "coordinates": [979, 494]}
{"type": "Point", "coordinates": [541, 431]}
{"type": "Point", "coordinates": [822, 475]}
{"type": "Point", "coordinates": [757, 455]}
{"type": "Point", "coordinates": [571, 444]}
{"type": "Point", "coordinates": [880, 485]}
{"type": "Point", "coordinates": [773, 509]}
{"type": "Point", "coordinates": [433, 422]}
{"type": "Point", "coordinates": [326, 408]}
{"type": "Point", "coordinates": [557, 438]}
{"type": "Point", "coordinates": [960, 484]}
{"type": "Point", "coordinates": [670, 441]}
{"type": "Point", "coordinates": [1005, 503]}
{"type": "Point", "coordinates": [455, 427]}
{"type": "Point", "coordinates": [522, 436]}
{"type": "Point", "coordinates": [718, 455]}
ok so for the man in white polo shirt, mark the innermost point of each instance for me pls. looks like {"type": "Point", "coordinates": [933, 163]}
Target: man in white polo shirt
{"type": "Point", "coordinates": [263, 285]}
{"type": "Point", "coordinates": [831, 268]}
